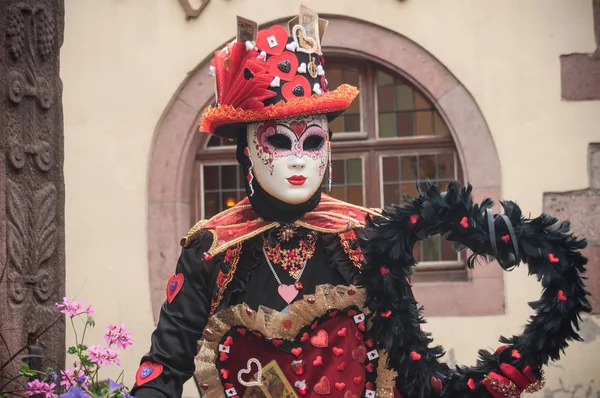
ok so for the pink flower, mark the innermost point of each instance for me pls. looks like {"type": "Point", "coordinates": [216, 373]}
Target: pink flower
{"type": "Point", "coordinates": [116, 334]}
{"type": "Point", "coordinates": [103, 356]}
{"type": "Point", "coordinates": [74, 308]}
{"type": "Point", "coordinates": [39, 387]}
{"type": "Point", "coordinates": [69, 378]}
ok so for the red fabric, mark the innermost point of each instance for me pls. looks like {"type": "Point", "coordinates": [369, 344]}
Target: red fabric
{"type": "Point", "coordinates": [241, 221]}
{"type": "Point", "coordinates": [340, 348]}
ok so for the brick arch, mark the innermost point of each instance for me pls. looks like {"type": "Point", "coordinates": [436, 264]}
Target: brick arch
{"type": "Point", "coordinates": [176, 141]}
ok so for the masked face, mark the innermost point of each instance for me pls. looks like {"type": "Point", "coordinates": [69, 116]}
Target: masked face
{"type": "Point", "coordinates": [289, 156]}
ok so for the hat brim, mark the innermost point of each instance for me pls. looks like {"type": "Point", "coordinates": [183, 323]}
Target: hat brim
{"type": "Point", "coordinates": [224, 121]}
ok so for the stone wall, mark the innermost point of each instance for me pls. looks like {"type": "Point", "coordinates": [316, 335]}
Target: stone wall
{"type": "Point", "coordinates": [32, 250]}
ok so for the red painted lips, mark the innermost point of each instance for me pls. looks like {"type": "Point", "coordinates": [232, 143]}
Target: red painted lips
{"type": "Point", "coordinates": [297, 180]}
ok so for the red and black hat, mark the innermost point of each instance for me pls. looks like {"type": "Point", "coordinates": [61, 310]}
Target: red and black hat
{"type": "Point", "coordinates": [274, 74]}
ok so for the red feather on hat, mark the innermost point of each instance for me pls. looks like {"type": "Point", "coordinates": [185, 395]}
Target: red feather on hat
{"type": "Point", "coordinates": [241, 77]}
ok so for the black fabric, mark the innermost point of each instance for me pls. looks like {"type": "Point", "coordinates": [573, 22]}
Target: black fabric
{"type": "Point", "coordinates": [265, 205]}
{"type": "Point", "coordinates": [182, 322]}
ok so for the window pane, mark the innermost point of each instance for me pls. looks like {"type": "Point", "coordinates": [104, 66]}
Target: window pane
{"type": "Point", "coordinates": [351, 76]}
{"type": "Point", "coordinates": [211, 177]}
{"type": "Point", "coordinates": [427, 169]}
{"type": "Point", "coordinates": [387, 125]}
{"type": "Point", "coordinates": [439, 125]}
{"type": "Point", "coordinates": [352, 123]}
{"type": "Point", "coordinates": [421, 102]}
{"type": "Point", "coordinates": [445, 166]}
{"type": "Point", "coordinates": [390, 169]}
{"type": "Point", "coordinates": [338, 173]}
{"type": "Point", "coordinates": [338, 193]}
{"type": "Point", "coordinates": [386, 99]}
{"type": "Point", "coordinates": [384, 79]}
{"type": "Point", "coordinates": [404, 98]}
{"type": "Point", "coordinates": [334, 77]}
{"type": "Point", "coordinates": [408, 168]}
{"type": "Point", "coordinates": [337, 125]}
{"type": "Point", "coordinates": [423, 123]}
{"type": "Point", "coordinates": [431, 249]}
{"type": "Point", "coordinates": [355, 195]}
{"type": "Point", "coordinates": [229, 177]}
{"type": "Point", "coordinates": [215, 141]}
{"type": "Point", "coordinates": [405, 124]}
{"type": "Point", "coordinates": [211, 204]}
{"type": "Point", "coordinates": [391, 194]}
{"type": "Point", "coordinates": [448, 253]}
{"type": "Point", "coordinates": [354, 171]}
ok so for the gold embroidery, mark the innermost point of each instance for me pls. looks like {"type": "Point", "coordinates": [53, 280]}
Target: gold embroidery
{"type": "Point", "coordinates": [232, 257]}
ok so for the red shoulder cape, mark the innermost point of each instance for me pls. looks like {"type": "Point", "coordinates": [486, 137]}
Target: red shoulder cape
{"type": "Point", "coordinates": [241, 222]}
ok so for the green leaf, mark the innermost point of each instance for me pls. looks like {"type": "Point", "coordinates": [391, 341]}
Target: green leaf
{"type": "Point", "coordinates": [82, 347]}
{"type": "Point", "coordinates": [71, 350]}
{"type": "Point", "coordinates": [25, 370]}
{"type": "Point", "coordinates": [3, 395]}
{"type": "Point", "coordinates": [90, 321]}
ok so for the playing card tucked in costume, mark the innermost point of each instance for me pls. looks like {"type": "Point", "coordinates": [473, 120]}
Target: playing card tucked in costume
{"type": "Point", "coordinates": [293, 293]}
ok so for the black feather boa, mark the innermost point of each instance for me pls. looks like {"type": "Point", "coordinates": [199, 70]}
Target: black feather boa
{"type": "Point", "coordinates": [543, 243]}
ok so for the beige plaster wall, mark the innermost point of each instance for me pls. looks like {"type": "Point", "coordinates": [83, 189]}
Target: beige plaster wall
{"type": "Point", "coordinates": [122, 62]}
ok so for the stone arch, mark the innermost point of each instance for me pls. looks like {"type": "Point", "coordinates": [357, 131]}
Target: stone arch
{"type": "Point", "coordinates": [176, 141]}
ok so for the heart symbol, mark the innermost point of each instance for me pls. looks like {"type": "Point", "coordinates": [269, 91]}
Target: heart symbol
{"type": "Point", "coordinates": [223, 357]}
{"type": "Point", "coordinates": [386, 314]}
{"type": "Point", "coordinates": [342, 332]}
{"type": "Point", "coordinates": [302, 68]}
{"type": "Point", "coordinates": [553, 258]}
{"type": "Point", "coordinates": [305, 44]}
{"type": "Point", "coordinates": [174, 285]}
{"type": "Point", "coordinates": [287, 292]}
{"type": "Point", "coordinates": [298, 128]}
{"type": "Point", "coordinates": [464, 222]}
{"type": "Point", "coordinates": [304, 337]}
{"type": "Point", "coordinates": [277, 342]}
{"type": "Point", "coordinates": [436, 384]}
{"type": "Point", "coordinates": [350, 394]}
{"type": "Point", "coordinates": [357, 380]}
{"type": "Point", "coordinates": [322, 387]}
{"type": "Point", "coordinates": [318, 361]}
{"type": "Point", "coordinates": [505, 238]}
{"type": "Point", "coordinates": [283, 66]}
{"type": "Point", "coordinates": [341, 367]}
{"type": "Point", "coordinates": [228, 341]}
{"type": "Point", "coordinates": [471, 384]}
{"type": "Point", "coordinates": [414, 218]}
{"type": "Point", "coordinates": [359, 354]}
{"type": "Point", "coordinates": [562, 296]}
{"type": "Point", "coordinates": [272, 41]}
{"type": "Point", "coordinates": [276, 82]}
{"type": "Point", "coordinates": [320, 340]}
{"type": "Point", "coordinates": [415, 356]}
{"type": "Point", "coordinates": [148, 371]}
{"type": "Point", "coordinates": [298, 87]}
{"type": "Point", "coordinates": [340, 386]}
{"type": "Point", "coordinates": [246, 371]}
{"type": "Point", "coordinates": [338, 351]}
{"type": "Point", "coordinates": [297, 351]}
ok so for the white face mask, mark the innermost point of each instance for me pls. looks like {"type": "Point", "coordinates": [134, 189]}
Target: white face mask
{"type": "Point", "coordinates": [289, 156]}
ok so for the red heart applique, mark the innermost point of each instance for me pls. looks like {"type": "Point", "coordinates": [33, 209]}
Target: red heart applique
{"type": "Point", "coordinates": [174, 285]}
{"type": "Point", "coordinates": [318, 361]}
{"type": "Point", "coordinates": [414, 218]}
{"type": "Point", "coordinates": [297, 88]}
{"type": "Point", "coordinates": [505, 238]}
{"type": "Point", "coordinates": [350, 394]}
{"type": "Point", "coordinates": [340, 386]}
{"type": "Point", "coordinates": [553, 258]}
{"type": "Point", "coordinates": [342, 332]}
{"type": "Point", "coordinates": [321, 339]}
{"type": "Point", "coordinates": [272, 41]}
{"type": "Point", "coordinates": [562, 296]}
{"type": "Point", "coordinates": [322, 387]}
{"type": "Point", "coordinates": [415, 356]}
{"type": "Point", "coordinates": [471, 384]}
{"type": "Point", "coordinates": [148, 371]}
{"type": "Point", "coordinates": [436, 384]}
{"type": "Point", "coordinates": [298, 128]}
{"type": "Point", "coordinates": [359, 354]}
{"type": "Point", "coordinates": [228, 341]}
{"type": "Point", "coordinates": [464, 222]}
{"type": "Point", "coordinates": [284, 66]}
{"type": "Point", "coordinates": [386, 314]}
{"type": "Point", "coordinates": [309, 360]}
{"type": "Point", "coordinates": [223, 356]}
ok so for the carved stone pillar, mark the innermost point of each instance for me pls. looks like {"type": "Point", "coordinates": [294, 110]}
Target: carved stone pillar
{"type": "Point", "coordinates": [32, 242]}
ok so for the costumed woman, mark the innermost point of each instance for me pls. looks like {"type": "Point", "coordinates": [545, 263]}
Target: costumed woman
{"type": "Point", "coordinates": [292, 293]}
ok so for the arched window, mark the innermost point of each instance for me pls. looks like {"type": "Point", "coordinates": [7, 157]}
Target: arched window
{"type": "Point", "coordinates": [390, 139]}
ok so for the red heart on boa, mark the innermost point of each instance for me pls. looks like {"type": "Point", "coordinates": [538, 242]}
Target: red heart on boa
{"type": "Point", "coordinates": [321, 374]}
{"type": "Point", "coordinates": [174, 285]}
